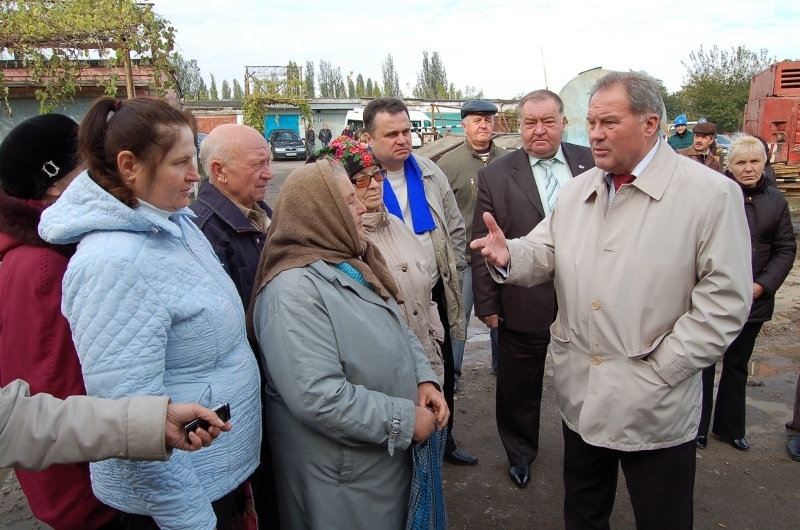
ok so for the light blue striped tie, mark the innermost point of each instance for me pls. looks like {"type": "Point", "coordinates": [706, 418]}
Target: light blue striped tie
{"type": "Point", "coordinates": [551, 185]}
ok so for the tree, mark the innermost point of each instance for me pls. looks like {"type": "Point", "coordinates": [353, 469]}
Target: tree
{"type": "Point", "coordinates": [238, 93]}
{"type": "Point", "coordinates": [50, 38]}
{"type": "Point", "coordinates": [674, 102]}
{"type": "Point", "coordinates": [331, 84]}
{"type": "Point", "coordinates": [717, 83]}
{"type": "Point", "coordinates": [202, 91]}
{"type": "Point", "coordinates": [391, 81]}
{"type": "Point", "coordinates": [310, 90]}
{"type": "Point", "coordinates": [432, 79]}
{"type": "Point", "coordinates": [361, 90]}
{"type": "Point", "coordinates": [351, 86]}
{"type": "Point", "coordinates": [368, 87]}
{"type": "Point", "coordinates": [226, 90]}
{"type": "Point", "coordinates": [376, 91]}
{"type": "Point", "coordinates": [213, 95]}
{"type": "Point", "coordinates": [188, 74]}
{"type": "Point", "coordinates": [294, 81]}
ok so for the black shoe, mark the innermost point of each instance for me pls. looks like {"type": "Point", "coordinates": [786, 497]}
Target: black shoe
{"type": "Point", "coordinates": [793, 446]}
{"type": "Point", "coordinates": [740, 444]}
{"type": "Point", "coordinates": [702, 441]}
{"type": "Point", "coordinates": [520, 475]}
{"type": "Point", "coordinates": [460, 458]}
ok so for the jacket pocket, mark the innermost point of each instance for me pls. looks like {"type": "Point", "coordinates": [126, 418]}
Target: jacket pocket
{"type": "Point", "coordinates": [347, 466]}
{"type": "Point", "coordinates": [643, 353]}
{"type": "Point", "coordinates": [559, 332]}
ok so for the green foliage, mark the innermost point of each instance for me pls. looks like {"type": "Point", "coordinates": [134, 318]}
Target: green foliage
{"type": "Point", "coordinates": [717, 83]}
{"type": "Point", "coordinates": [351, 86]}
{"type": "Point", "coordinates": [391, 81]}
{"type": "Point", "coordinates": [368, 87]}
{"type": "Point", "coordinates": [361, 90]}
{"type": "Point", "coordinates": [255, 108]}
{"type": "Point", "coordinates": [309, 80]}
{"type": "Point", "coordinates": [238, 92]}
{"type": "Point", "coordinates": [213, 94]}
{"type": "Point", "coordinates": [188, 74]}
{"type": "Point", "coordinates": [331, 84]}
{"type": "Point", "coordinates": [202, 91]}
{"type": "Point", "coordinates": [432, 79]}
{"type": "Point", "coordinates": [226, 90]}
{"type": "Point", "coordinates": [50, 37]}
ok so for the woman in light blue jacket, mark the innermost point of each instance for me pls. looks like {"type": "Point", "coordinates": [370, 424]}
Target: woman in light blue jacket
{"type": "Point", "coordinates": [152, 312]}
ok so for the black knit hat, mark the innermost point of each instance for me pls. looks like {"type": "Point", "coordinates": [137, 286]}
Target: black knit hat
{"type": "Point", "coordinates": [37, 153]}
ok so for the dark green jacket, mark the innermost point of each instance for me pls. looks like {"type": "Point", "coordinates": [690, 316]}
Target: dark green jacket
{"type": "Point", "coordinates": [676, 141]}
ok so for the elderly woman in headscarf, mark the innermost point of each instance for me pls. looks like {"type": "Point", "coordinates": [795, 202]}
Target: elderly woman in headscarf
{"type": "Point", "coordinates": [348, 384]}
{"type": "Point", "coordinates": [402, 250]}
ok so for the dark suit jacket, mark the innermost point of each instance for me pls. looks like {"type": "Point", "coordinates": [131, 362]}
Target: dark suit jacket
{"type": "Point", "coordinates": [507, 190]}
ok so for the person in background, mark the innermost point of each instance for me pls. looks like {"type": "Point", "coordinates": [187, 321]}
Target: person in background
{"type": "Point", "coordinates": [700, 150]}
{"type": "Point", "coordinates": [682, 139]}
{"type": "Point", "coordinates": [325, 135]}
{"type": "Point", "coordinates": [520, 190]}
{"type": "Point", "coordinates": [416, 191]}
{"type": "Point", "coordinates": [311, 140]}
{"type": "Point", "coordinates": [348, 384]}
{"type": "Point", "coordinates": [41, 430]}
{"type": "Point", "coordinates": [233, 216]}
{"type": "Point", "coordinates": [152, 311]}
{"type": "Point", "coordinates": [461, 166]}
{"type": "Point", "coordinates": [638, 310]}
{"type": "Point", "coordinates": [773, 250]}
{"type": "Point", "coordinates": [347, 131]}
{"type": "Point", "coordinates": [404, 254]}
{"type": "Point", "coordinates": [38, 161]}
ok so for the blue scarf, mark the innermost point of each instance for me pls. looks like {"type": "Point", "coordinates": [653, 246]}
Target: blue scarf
{"type": "Point", "coordinates": [421, 216]}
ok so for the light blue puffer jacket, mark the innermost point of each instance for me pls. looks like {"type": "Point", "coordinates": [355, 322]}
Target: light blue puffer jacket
{"type": "Point", "coordinates": [152, 312]}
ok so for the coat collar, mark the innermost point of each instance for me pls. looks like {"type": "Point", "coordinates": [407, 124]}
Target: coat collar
{"type": "Point", "coordinates": [224, 207]}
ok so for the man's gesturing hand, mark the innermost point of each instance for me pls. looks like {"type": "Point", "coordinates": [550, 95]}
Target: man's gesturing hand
{"type": "Point", "coordinates": [493, 246]}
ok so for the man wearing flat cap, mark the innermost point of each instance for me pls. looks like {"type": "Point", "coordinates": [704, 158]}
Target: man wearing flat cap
{"type": "Point", "coordinates": [461, 166]}
{"type": "Point", "coordinates": [520, 191]}
{"type": "Point", "coordinates": [704, 134]}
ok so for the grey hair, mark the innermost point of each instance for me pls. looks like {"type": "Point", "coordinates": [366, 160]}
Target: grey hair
{"type": "Point", "coordinates": [644, 92]}
{"type": "Point", "coordinates": [541, 95]}
{"type": "Point", "coordinates": [744, 145]}
{"type": "Point", "coordinates": [213, 148]}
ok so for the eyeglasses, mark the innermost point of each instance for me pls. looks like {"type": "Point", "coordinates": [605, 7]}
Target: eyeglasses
{"type": "Point", "coordinates": [364, 180]}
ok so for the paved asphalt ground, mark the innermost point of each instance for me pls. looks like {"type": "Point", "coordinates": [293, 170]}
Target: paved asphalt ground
{"type": "Point", "coordinates": [759, 489]}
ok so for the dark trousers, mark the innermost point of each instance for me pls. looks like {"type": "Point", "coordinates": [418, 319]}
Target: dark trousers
{"type": "Point", "coordinates": [729, 413]}
{"type": "Point", "coordinates": [448, 389]}
{"type": "Point", "coordinates": [520, 372]}
{"type": "Point", "coordinates": [262, 481]}
{"type": "Point", "coordinates": [224, 509]}
{"type": "Point", "coordinates": [793, 426]}
{"type": "Point", "coordinates": [660, 483]}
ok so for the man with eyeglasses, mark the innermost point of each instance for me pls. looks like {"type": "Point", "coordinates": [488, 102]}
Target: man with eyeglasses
{"type": "Point", "coordinates": [461, 166]}
{"type": "Point", "coordinates": [417, 192]}
{"type": "Point", "coordinates": [233, 216]}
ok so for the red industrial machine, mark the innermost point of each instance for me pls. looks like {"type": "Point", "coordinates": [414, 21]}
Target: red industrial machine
{"type": "Point", "coordinates": [773, 112]}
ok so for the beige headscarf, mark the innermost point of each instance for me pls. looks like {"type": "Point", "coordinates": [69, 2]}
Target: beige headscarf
{"type": "Point", "coordinates": [311, 221]}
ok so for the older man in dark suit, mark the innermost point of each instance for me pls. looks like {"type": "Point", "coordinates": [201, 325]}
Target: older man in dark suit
{"type": "Point", "coordinates": [520, 190]}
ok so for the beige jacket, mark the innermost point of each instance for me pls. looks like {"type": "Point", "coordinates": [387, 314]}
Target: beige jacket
{"type": "Point", "coordinates": [39, 431]}
{"type": "Point", "coordinates": [406, 258]}
{"type": "Point", "coordinates": [449, 242]}
{"type": "Point", "coordinates": [651, 290]}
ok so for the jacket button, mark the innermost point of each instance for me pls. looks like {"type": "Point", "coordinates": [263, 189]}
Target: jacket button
{"type": "Point", "coordinates": [416, 312]}
{"type": "Point", "coordinates": [595, 305]}
{"type": "Point", "coordinates": [596, 360]}
{"type": "Point", "coordinates": [404, 269]}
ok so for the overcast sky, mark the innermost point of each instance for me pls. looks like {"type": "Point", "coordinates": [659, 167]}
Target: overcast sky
{"type": "Point", "coordinates": [494, 45]}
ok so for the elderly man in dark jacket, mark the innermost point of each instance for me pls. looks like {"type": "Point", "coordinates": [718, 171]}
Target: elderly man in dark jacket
{"type": "Point", "coordinates": [232, 214]}
{"type": "Point", "coordinates": [773, 251]}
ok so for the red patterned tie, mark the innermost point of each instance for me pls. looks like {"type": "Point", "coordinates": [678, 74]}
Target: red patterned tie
{"type": "Point", "coordinates": [619, 180]}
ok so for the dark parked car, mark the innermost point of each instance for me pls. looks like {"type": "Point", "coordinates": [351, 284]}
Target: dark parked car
{"type": "Point", "coordinates": [286, 144]}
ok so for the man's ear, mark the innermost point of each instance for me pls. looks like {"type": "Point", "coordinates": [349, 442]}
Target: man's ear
{"type": "Point", "coordinates": [217, 173]}
{"type": "Point", "coordinates": [368, 138]}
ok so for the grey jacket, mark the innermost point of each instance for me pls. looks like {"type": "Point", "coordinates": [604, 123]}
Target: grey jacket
{"type": "Point", "coordinates": [449, 241]}
{"type": "Point", "coordinates": [37, 432]}
{"type": "Point", "coordinates": [342, 374]}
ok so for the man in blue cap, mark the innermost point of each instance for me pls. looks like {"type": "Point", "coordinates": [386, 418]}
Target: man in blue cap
{"type": "Point", "coordinates": [461, 166]}
{"type": "Point", "coordinates": [683, 138]}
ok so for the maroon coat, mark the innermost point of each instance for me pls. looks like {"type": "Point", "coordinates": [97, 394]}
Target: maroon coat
{"type": "Point", "coordinates": [36, 345]}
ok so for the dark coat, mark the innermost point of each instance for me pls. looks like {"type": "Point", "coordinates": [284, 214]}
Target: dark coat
{"type": "Point", "coordinates": [236, 242]}
{"type": "Point", "coordinates": [772, 241]}
{"type": "Point", "coordinates": [325, 135]}
{"type": "Point", "coordinates": [507, 190]}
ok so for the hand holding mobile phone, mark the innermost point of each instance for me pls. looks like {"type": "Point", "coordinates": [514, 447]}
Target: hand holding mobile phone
{"type": "Point", "coordinates": [223, 411]}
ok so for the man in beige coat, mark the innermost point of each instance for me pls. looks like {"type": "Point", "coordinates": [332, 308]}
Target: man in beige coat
{"type": "Point", "coordinates": [39, 431]}
{"type": "Point", "coordinates": [651, 261]}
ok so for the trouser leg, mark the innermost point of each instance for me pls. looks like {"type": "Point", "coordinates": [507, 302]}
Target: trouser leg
{"type": "Point", "coordinates": [707, 399]}
{"type": "Point", "coordinates": [519, 392]}
{"type": "Point", "coordinates": [590, 483]}
{"type": "Point", "coordinates": [729, 410]}
{"type": "Point", "coordinates": [793, 426]}
{"type": "Point", "coordinates": [447, 357]}
{"type": "Point", "coordinates": [661, 486]}
{"type": "Point", "coordinates": [493, 342]}
{"type": "Point", "coordinates": [460, 345]}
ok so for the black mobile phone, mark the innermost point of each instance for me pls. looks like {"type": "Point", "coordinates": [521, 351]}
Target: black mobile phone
{"type": "Point", "coordinates": [223, 411]}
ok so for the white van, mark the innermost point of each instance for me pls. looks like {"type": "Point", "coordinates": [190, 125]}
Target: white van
{"type": "Point", "coordinates": [420, 122]}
